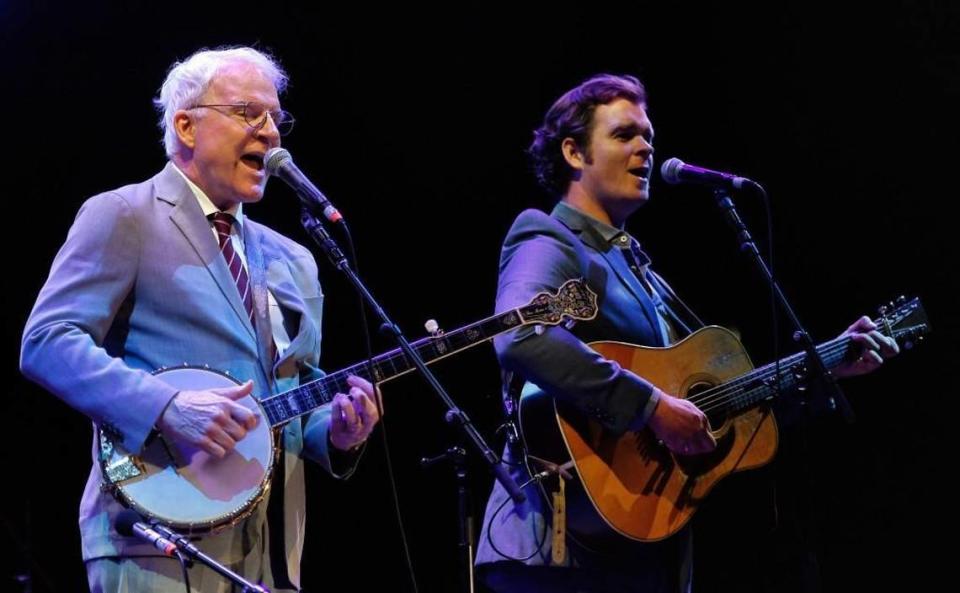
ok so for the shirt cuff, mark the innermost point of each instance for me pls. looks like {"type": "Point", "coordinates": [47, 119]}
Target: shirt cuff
{"type": "Point", "coordinates": [343, 462]}
{"type": "Point", "coordinates": [641, 419]}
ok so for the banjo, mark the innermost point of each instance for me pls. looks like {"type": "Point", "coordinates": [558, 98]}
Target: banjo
{"type": "Point", "coordinates": [188, 489]}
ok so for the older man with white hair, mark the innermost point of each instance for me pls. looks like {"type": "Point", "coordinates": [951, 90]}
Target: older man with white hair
{"type": "Point", "coordinates": [170, 271]}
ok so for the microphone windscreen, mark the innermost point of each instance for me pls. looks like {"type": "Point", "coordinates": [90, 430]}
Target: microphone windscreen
{"type": "Point", "coordinates": [670, 170]}
{"type": "Point", "coordinates": [125, 521]}
{"type": "Point", "coordinates": [275, 158]}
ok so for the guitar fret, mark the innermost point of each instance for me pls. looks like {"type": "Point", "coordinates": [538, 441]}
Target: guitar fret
{"type": "Point", "coordinates": [433, 348]}
{"type": "Point", "coordinates": [379, 373]}
{"type": "Point", "coordinates": [492, 327]}
{"type": "Point", "coordinates": [321, 388]}
{"type": "Point", "coordinates": [307, 399]}
{"type": "Point", "coordinates": [281, 409]}
{"type": "Point", "coordinates": [395, 368]}
{"type": "Point", "coordinates": [282, 405]}
{"type": "Point", "coordinates": [269, 406]}
{"type": "Point", "coordinates": [385, 367]}
{"type": "Point", "coordinates": [293, 404]}
{"type": "Point", "coordinates": [340, 384]}
{"type": "Point", "coordinates": [362, 370]}
{"type": "Point", "coordinates": [756, 386]}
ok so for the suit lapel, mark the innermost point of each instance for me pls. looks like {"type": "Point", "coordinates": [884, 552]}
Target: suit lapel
{"type": "Point", "coordinates": [592, 238]}
{"type": "Point", "coordinates": [188, 217]}
{"type": "Point", "coordinates": [619, 264]}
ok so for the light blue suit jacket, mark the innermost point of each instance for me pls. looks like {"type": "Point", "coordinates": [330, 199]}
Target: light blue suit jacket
{"type": "Point", "coordinates": [140, 284]}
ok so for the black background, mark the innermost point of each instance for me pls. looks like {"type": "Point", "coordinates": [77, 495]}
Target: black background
{"type": "Point", "coordinates": [414, 122]}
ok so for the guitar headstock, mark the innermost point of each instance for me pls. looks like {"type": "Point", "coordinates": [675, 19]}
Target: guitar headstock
{"type": "Point", "coordinates": [905, 321]}
{"type": "Point", "coordinates": [574, 300]}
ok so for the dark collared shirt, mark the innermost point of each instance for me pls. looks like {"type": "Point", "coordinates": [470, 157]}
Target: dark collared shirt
{"type": "Point", "coordinates": [637, 260]}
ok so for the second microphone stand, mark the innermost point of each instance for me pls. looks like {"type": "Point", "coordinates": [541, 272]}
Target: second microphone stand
{"type": "Point", "coordinates": [457, 457]}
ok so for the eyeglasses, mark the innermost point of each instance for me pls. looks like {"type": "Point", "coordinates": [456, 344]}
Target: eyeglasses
{"type": "Point", "coordinates": [255, 114]}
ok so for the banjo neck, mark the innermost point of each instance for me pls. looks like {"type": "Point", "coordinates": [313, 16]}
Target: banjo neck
{"type": "Point", "coordinates": [573, 301]}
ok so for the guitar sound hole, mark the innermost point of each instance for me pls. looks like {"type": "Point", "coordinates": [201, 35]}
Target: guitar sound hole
{"type": "Point", "coordinates": [705, 403]}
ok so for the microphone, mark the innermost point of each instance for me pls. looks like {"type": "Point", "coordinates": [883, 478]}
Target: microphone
{"type": "Point", "coordinates": [675, 171]}
{"type": "Point", "coordinates": [128, 524]}
{"type": "Point", "coordinates": [278, 162]}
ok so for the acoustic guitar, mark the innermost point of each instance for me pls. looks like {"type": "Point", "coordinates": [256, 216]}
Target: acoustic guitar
{"type": "Point", "coordinates": [630, 485]}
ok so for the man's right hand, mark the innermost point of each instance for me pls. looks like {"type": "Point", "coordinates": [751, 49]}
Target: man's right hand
{"type": "Point", "coordinates": [209, 419]}
{"type": "Point", "coordinates": [682, 427]}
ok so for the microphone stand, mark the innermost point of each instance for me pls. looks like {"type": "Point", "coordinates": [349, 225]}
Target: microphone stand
{"type": "Point", "coordinates": [454, 414]}
{"type": "Point", "coordinates": [835, 397]}
{"type": "Point", "coordinates": [465, 528]}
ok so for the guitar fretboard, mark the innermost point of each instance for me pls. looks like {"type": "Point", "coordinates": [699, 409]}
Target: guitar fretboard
{"type": "Point", "coordinates": [765, 383]}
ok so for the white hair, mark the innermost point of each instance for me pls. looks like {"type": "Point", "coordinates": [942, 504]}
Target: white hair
{"type": "Point", "coordinates": [188, 80]}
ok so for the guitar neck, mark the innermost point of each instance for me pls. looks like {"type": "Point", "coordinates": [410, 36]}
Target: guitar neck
{"type": "Point", "coordinates": [767, 382]}
{"type": "Point", "coordinates": [304, 399]}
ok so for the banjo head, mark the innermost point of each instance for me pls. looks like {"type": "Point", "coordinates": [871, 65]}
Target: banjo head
{"type": "Point", "coordinates": [182, 486]}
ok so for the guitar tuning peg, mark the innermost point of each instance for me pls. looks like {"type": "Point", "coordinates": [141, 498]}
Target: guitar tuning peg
{"type": "Point", "coordinates": [882, 310]}
{"type": "Point", "coordinates": [433, 328]}
{"type": "Point", "coordinates": [901, 299]}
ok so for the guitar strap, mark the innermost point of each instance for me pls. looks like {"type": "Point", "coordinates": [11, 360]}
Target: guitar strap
{"type": "Point", "coordinates": [680, 310]}
{"type": "Point", "coordinates": [512, 387]}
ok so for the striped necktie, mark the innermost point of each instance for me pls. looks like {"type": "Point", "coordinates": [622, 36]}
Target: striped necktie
{"type": "Point", "coordinates": [223, 223]}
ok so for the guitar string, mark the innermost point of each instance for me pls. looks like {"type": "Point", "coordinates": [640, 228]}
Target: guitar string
{"type": "Point", "coordinates": [827, 350]}
{"type": "Point", "coordinates": [832, 347]}
{"type": "Point", "coordinates": [717, 397]}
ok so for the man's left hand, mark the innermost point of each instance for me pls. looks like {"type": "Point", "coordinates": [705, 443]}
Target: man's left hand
{"type": "Point", "coordinates": [874, 348]}
{"type": "Point", "coordinates": [354, 414]}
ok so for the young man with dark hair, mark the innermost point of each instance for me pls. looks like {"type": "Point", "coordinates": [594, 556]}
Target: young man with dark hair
{"type": "Point", "coordinates": [594, 151]}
